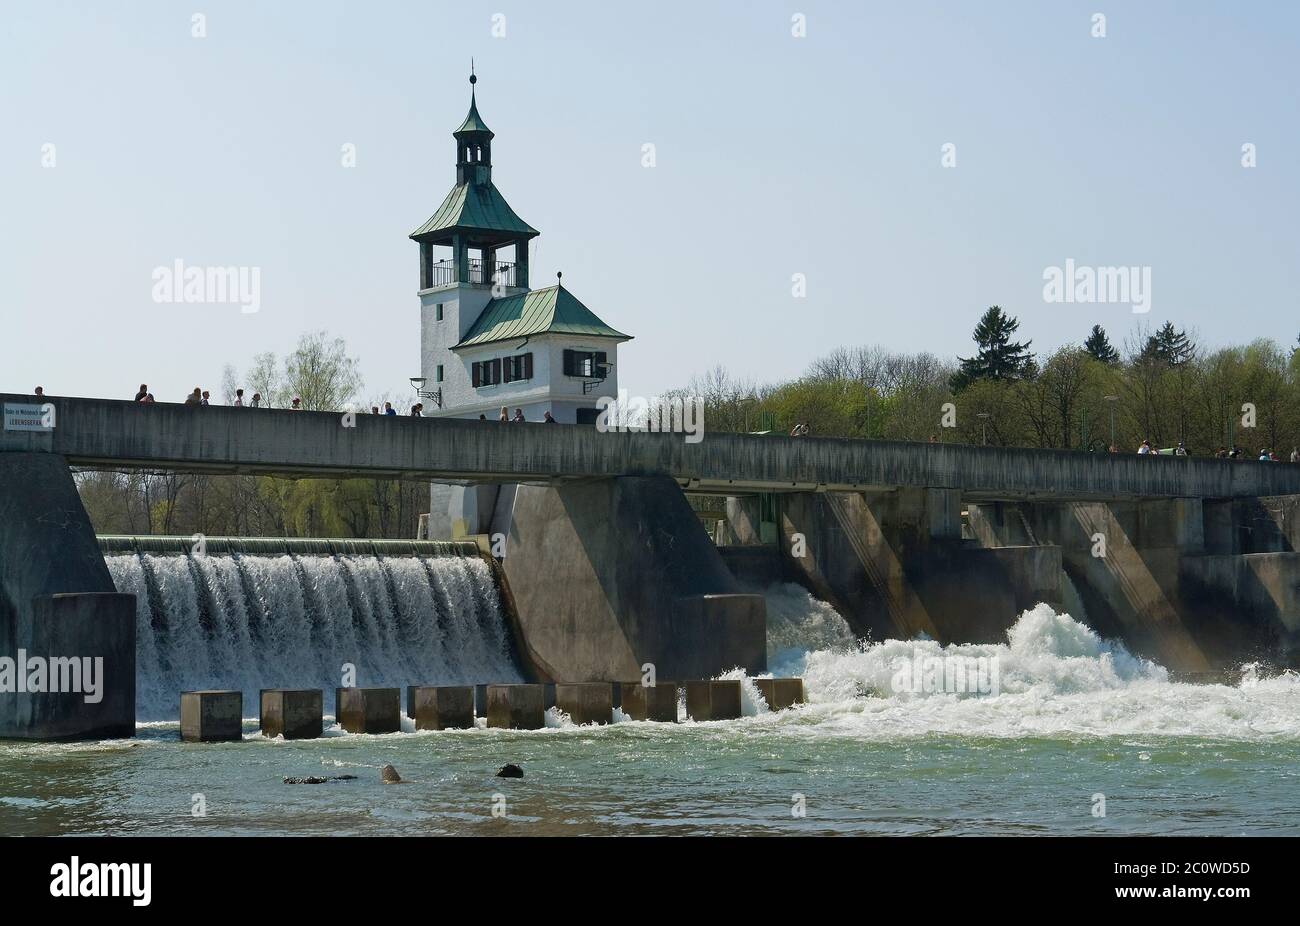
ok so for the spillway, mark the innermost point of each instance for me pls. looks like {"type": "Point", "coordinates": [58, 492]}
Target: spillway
{"type": "Point", "coordinates": [249, 614]}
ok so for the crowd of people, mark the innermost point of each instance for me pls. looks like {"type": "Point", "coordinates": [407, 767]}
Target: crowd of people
{"type": "Point", "coordinates": [200, 397]}
{"type": "Point", "coordinates": [1223, 453]}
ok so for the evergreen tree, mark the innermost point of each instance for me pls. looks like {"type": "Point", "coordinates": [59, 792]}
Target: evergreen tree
{"type": "Point", "coordinates": [1099, 347]}
{"type": "Point", "coordinates": [1168, 346]}
{"type": "Point", "coordinates": [998, 357]}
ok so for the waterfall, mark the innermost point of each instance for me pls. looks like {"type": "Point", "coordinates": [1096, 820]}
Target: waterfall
{"type": "Point", "coordinates": [247, 622]}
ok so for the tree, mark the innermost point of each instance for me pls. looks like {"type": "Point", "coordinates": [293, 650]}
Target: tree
{"type": "Point", "coordinates": [1168, 346]}
{"type": "Point", "coordinates": [998, 358]}
{"type": "Point", "coordinates": [321, 373]}
{"type": "Point", "coordinates": [1099, 347]}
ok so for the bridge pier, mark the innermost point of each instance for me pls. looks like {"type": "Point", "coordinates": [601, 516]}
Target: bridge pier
{"type": "Point", "coordinates": [57, 600]}
{"type": "Point", "coordinates": [1196, 584]}
{"type": "Point", "coordinates": [609, 575]}
{"type": "Point", "coordinates": [895, 565]}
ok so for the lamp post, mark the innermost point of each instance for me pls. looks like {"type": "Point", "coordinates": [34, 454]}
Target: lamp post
{"type": "Point", "coordinates": [418, 384]}
{"type": "Point", "coordinates": [1111, 400]}
{"type": "Point", "coordinates": [984, 425]}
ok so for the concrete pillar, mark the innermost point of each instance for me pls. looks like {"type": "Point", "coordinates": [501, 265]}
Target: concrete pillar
{"type": "Point", "coordinates": [443, 707]}
{"type": "Point", "coordinates": [89, 642]}
{"type": "Point", "coordinates": [652, 702]}
{"type": "Point", "coordinates": [368, 710]}
{"type": "Point", "coordinates": [517, 707]}
{"type": "Point", "coordinates": [294, 713]}
{"type": "Point", "coordinates": [713, 700]}
{"type": "Point", "coordinates": [521, 264]}
{"type": "Point", "coordinates": [212, 716]}
{"type": "Point", "coordinates": [744, 520]}
{"type": "Point", "coordinates": [426, 265]}
{"type": "Point", "coordinates": [460, 258]}
{"type": "Point", "coordinates": [480, 700]}
{"type": "Point", "coordinates": [586, 702]}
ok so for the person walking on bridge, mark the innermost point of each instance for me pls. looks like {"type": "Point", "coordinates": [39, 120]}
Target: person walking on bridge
{"type": "Point", "coordinates": [144, 391]}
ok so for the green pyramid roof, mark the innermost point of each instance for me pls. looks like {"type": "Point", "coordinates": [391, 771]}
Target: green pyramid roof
{"type": "Point", "coordinates": [475, 206]}
{"type": "Point", "coordinates": [553, 310]}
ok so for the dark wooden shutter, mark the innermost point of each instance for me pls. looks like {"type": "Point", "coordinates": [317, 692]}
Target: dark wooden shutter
{"type": "Point", "coordinates": [569, 363]}
{"type": "Point", "coordinates": [509, 371]}
{"type": "Point", "coordinates": [475, 372]}
{"type": "Point", "coordinates": [596, 360]}
{"type": "Point", "coordinates": [496, 370]}
{"type": "Point", "coordinates": [528, 366]}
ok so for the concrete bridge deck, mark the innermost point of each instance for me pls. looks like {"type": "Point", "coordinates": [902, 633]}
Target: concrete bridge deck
{"type": "Point", "coordinates": [113, 434]}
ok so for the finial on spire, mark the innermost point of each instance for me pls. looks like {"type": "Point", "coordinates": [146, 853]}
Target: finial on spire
{"type": "Point", "coordinates": [559, 277]}
{"type": "Point", "coordinates": [472, 79]}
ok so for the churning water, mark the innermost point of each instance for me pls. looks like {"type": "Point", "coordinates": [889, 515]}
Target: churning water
{"type": "Point", "coordinates": [1075, 717]}
{"type": "Point", "coordinates": [252, 622]}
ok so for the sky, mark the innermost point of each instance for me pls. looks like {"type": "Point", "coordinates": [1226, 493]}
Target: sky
{"type": "Point", "coordinates": [130, 143]}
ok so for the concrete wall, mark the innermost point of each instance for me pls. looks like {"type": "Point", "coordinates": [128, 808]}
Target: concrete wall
{"type": "Point", "coordinates": [611, 574]}
{"type": "Point", "coordinates": [81, 627]}
{"type": "Point", "coordinates": [1198, 585]}
{"type": "Point", "coordinates": [48, 548]}
{"type": "Point", "coordinates": [47, 544]}
{"type": "Point", "coordinates": [893, 564]}
{"type": "Point", "coordinates": [218, 439]}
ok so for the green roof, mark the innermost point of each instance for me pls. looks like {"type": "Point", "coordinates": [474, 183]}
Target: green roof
{"type": "Point", "coordinates": [553, 310]}
{"type": "Point", "coordinates": [475, 206]}
{"type": "Point", "coordinates": [473, 122]}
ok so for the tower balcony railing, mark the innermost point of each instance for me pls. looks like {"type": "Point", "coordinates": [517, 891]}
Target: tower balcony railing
{"type": "Point", "coordinates": [443, 273]}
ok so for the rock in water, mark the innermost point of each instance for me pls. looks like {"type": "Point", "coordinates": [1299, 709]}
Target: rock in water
{"type": "Point", "coordinates": [389, 775]}
{"type": "Point", "coordinates": [510, 771]}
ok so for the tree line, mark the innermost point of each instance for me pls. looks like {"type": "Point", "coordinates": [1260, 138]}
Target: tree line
{"type": "Point", "coordinates": [1161, 385]}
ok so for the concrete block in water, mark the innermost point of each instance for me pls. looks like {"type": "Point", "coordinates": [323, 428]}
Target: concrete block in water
{"type": "Point", "coordinates": [518, 707]}
{"type": "Point", "coordinates": [368, 710]}
{"type": "Point", "coordinates": [780, 693]}
{"type": "Point", "coordinates": [656, 702]}
{"type": "Point", "coordinates": [713, 700]}
{"type": "Point", "coordinates": [211, 716]}
{"type": "Point", "coordinates": [443, 707]}
{"type": "Point", "coordinates": [294, 713]}
{"type": "Point", "coordinates": [480, 700]}
{"type": "Point", "coordinates": [586, 702]}
{"type": "Point", "coordinates": [786, 692]}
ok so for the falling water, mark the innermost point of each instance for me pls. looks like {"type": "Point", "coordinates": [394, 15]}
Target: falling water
{"type": "Point", "coordinates": [249, 622]}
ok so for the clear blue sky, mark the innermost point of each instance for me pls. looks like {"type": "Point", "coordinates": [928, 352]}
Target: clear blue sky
{"type": "Point", "coordinates": [775, 155]}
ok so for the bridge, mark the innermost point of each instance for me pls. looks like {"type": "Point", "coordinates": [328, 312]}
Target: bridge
{"type": "Point", "coordinates": [121, 435]}
{"type": "Point", "coordinates": [606, 567]}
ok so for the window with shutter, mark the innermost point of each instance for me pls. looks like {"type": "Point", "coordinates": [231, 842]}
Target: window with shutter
{"type": "Point", "coordinates": [528, 366]}
{"type": "Point", "coordinates": [496, 370]}
{"type": "Point", "coordinates": [570, 363]}
{"type": "Point", "coordinates": [476, 374]}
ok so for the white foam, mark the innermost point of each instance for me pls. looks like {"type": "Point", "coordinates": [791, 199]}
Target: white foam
{"type": "Point", "coordinates": [1056, 678]}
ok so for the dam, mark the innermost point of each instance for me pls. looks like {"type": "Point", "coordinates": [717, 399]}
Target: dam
{"type": "Point", "coordinates": [600, 565]}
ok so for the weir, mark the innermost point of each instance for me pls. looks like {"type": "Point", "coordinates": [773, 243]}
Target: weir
{"type": "Point", "coordinates": [606, 569]}
{"type": "Point", "coordinates": [258, 613]}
